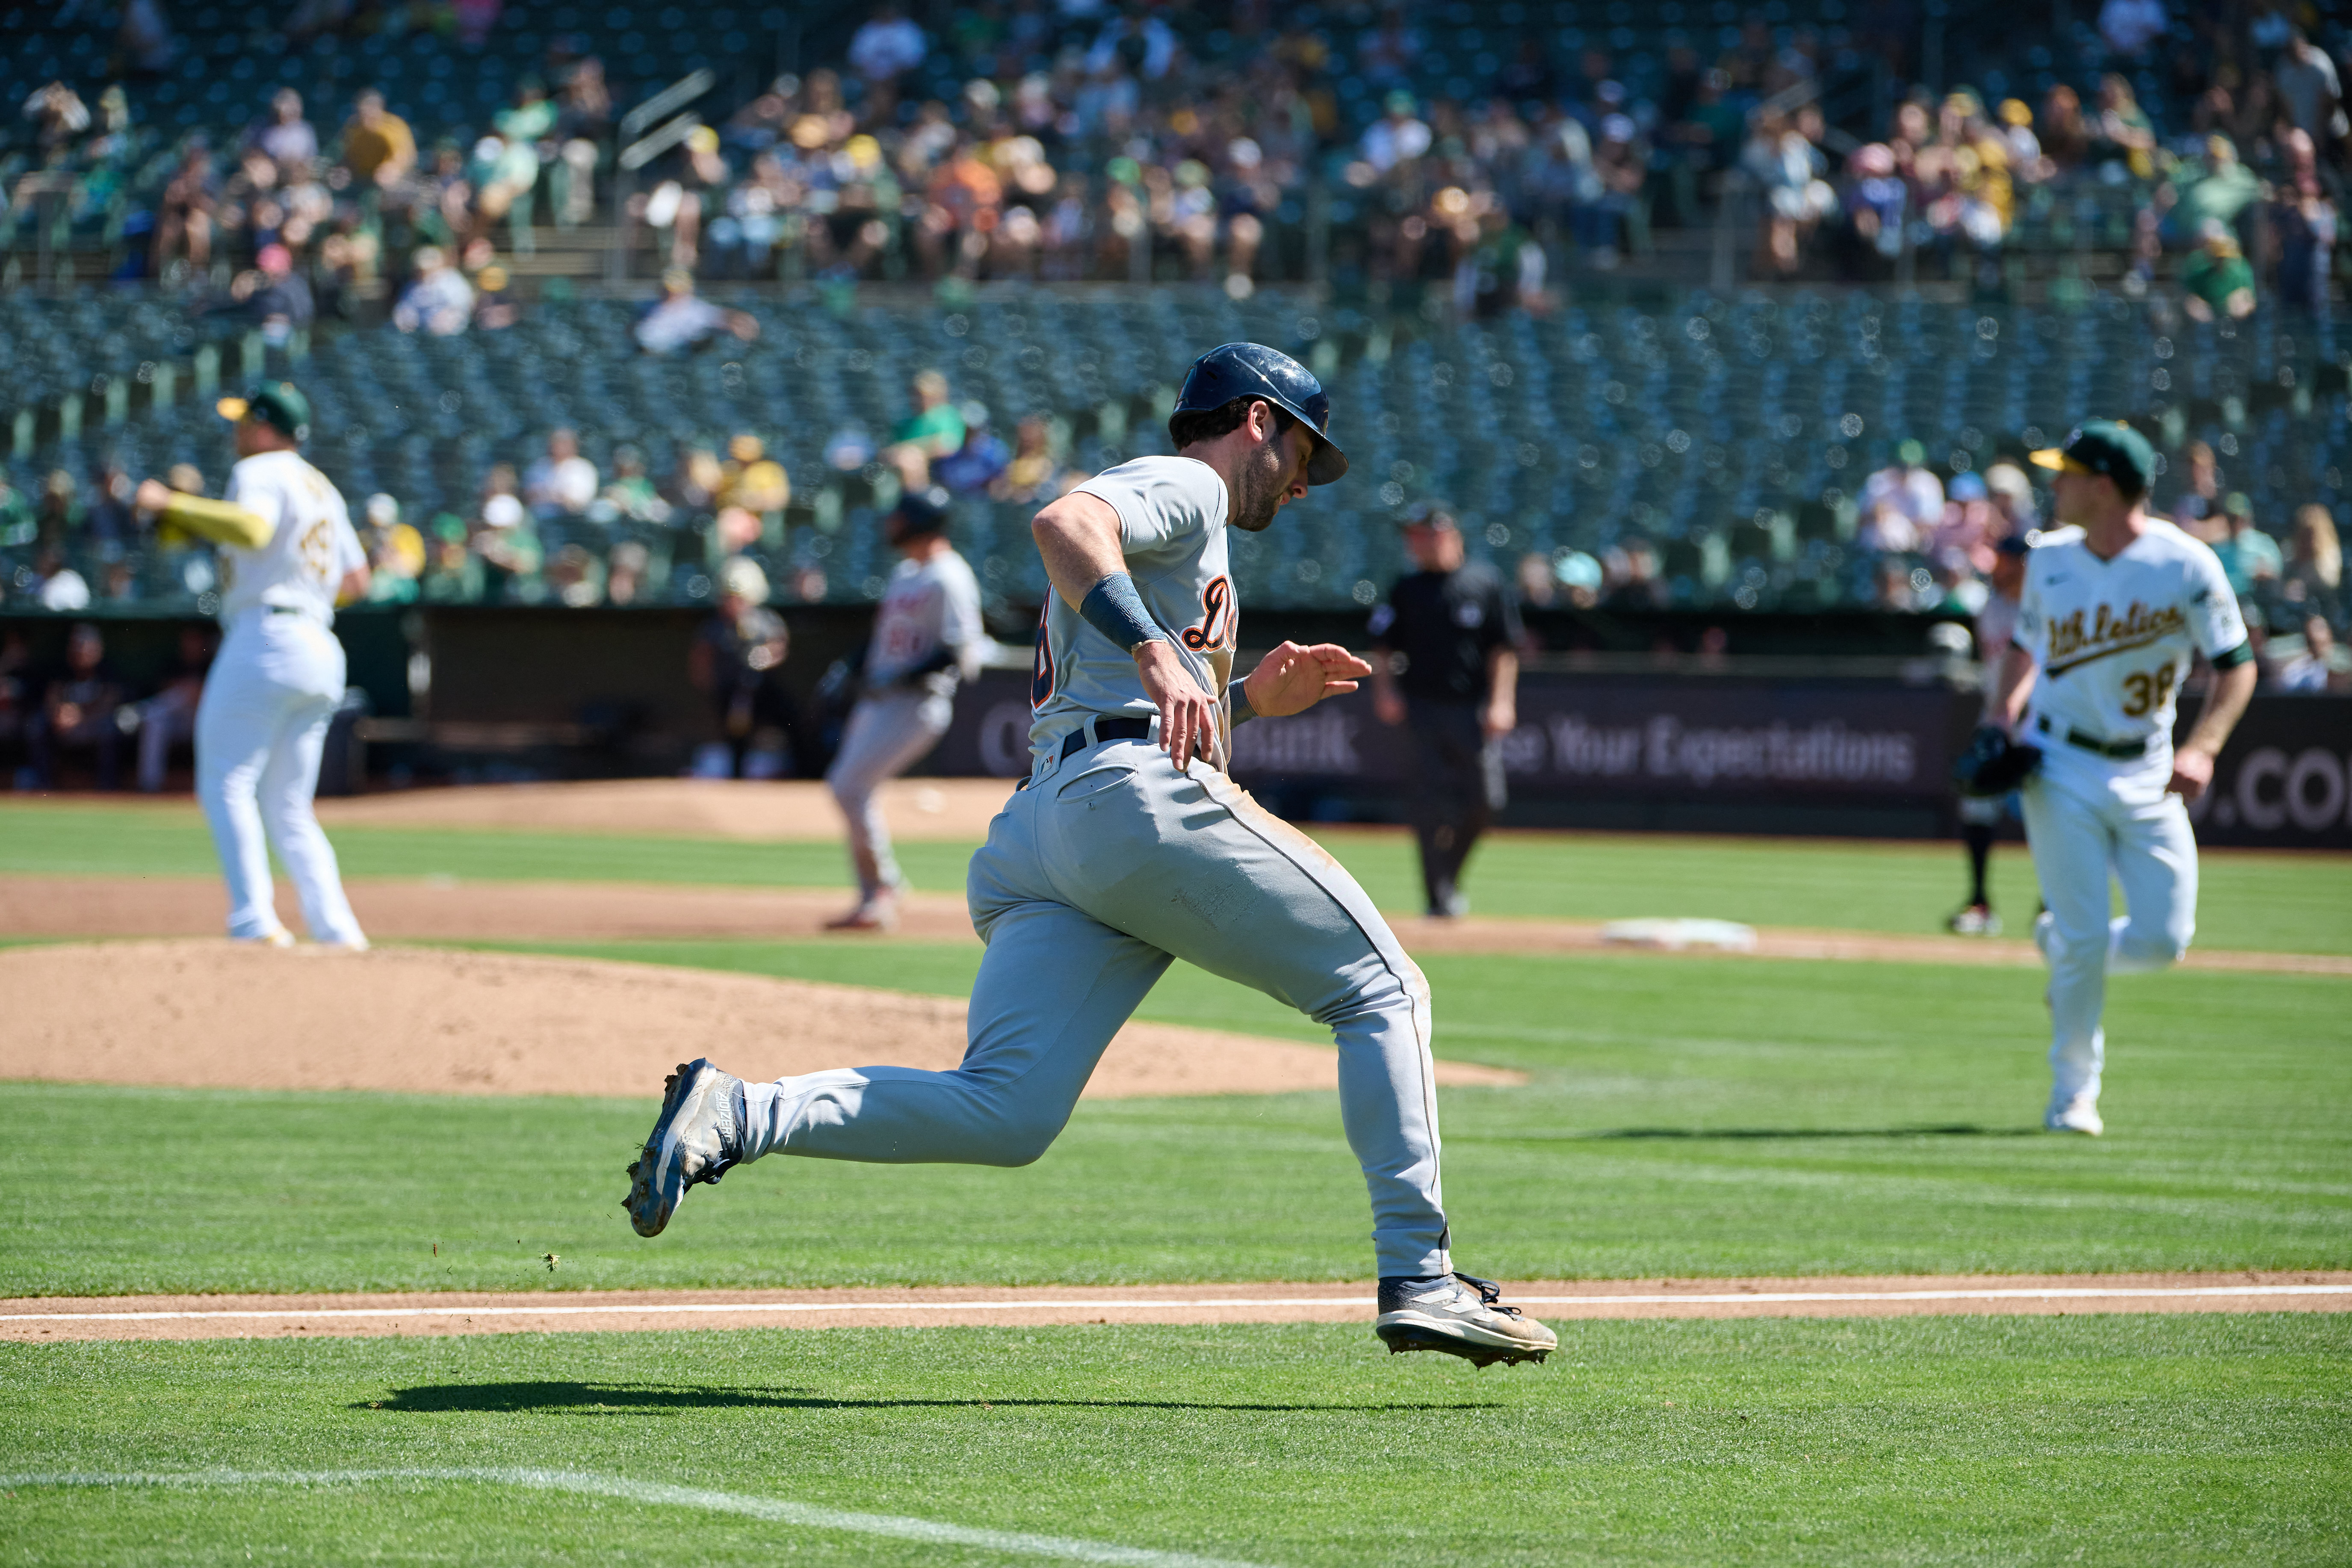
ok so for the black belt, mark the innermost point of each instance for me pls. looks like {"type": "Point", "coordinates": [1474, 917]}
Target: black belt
{"type": "Point", "coordinates": [281, 609]}
{"type": "Point", "coordinates": [1106, 729]}
{"type": "Point", "coordinates": [2120, 750]}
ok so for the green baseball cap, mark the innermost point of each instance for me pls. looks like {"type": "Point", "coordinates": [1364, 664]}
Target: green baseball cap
{"type": "Point", "coordinates": [2106, 446]}
{"type": "Point", "coordinates": [276, 404]}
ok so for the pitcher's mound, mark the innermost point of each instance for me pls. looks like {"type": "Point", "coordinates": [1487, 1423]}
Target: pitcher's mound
{"type": "Point", "coordinates": [210, 1015]}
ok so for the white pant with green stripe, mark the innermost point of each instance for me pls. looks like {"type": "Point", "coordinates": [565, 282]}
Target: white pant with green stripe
{"type": "Point", "coordinates": [1109, 864]}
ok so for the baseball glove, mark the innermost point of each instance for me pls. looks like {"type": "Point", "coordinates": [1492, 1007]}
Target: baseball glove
{"type": "Point", "coordinates": [1993, 764]}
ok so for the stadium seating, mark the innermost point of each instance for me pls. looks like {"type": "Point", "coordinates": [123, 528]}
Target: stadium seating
{"type": "Point", "coordinates": [1725, 433]}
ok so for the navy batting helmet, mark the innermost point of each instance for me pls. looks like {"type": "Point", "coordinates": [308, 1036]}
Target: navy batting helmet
{"type": "Point", "coordinates": [1253, 370]}
{"type": "Point", "coordinates": [923, 512]}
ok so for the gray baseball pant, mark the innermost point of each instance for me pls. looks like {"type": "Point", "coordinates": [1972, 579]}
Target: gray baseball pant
{"type": "Point", "coordinates": [887, 733]}
{"type": "Point", "coordinates": [1094, 876]}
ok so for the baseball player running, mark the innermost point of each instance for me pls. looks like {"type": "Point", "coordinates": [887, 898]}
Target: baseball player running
{"type": "Point", "coordinates": [928, 636]}
{"type": "Point", "coordinates": [287, 557]}
{"type": "Point", "coordinates": [1127, 846]}
{"type": "Point", "coordinates": [2108, 622]}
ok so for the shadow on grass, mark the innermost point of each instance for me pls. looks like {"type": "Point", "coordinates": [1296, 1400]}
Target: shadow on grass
{"type": "Point", "coordinates": [1705, 1134]}
{"type": "Point", "coordinates": [507, 1398]}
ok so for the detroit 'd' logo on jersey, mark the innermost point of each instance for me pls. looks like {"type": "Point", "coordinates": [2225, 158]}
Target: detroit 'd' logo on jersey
{"type": "Point", "coordinates": [1218, 621]}
{"type": "Point", "coordinates": [2072, 643]}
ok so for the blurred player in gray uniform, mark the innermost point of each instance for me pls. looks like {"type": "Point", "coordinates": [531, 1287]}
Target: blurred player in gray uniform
{"type": "Point", "coordinates": [928, 637]}
{"type": "Point", "coordinates": [1128, 846]}
{"type": "Point", "coordinates": [1982, 815]}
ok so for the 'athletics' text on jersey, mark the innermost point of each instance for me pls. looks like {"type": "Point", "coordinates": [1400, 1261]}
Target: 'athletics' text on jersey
{"type": "Point", "coordinates": [2113, 638]}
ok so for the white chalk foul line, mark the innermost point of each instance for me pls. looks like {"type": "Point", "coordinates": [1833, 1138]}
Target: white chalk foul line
{"type": "Point", "coordinates": [655, 1308]}
{"type": "Point", "coordinates": [931, 1531]}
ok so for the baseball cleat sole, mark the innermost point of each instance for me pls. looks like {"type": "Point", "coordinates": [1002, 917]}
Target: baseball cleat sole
{"type": "Point", "coordinates": [1407, 1330]}
{"type": "Point", "coordinates": [1483, 1350]}
{"type": "Point", "coordinates": [658, 1177]}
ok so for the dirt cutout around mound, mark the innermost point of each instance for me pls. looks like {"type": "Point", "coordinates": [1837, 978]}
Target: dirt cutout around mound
{"type": "Point", "coordinates": [444, 909]}
{"type": "Point", "coordinates": [212, 1014]}
{"type": "Point", "coordinates": [47, 1319]}
{"type": "Point", "coordinates": [916, 809]}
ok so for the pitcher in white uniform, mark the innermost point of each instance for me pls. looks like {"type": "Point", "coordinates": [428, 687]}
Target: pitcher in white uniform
{"type": "Point", "coordinates": [287, 557]}
{"type": "Point", "coordinates": [928, 639]}
{"type": "Point", "coordinates": [2113, 611]}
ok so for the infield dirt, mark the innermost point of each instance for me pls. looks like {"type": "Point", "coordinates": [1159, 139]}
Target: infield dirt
{"type": "Point", "coordinates": [212, 1014]}
{"type": "Point", "coordinates": [450, 910]}
{"type": "Point", "coordinates": [36, 1319]}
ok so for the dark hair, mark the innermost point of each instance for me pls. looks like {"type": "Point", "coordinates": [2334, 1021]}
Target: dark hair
{"type": "Point", "coordinates": [1207, 424]}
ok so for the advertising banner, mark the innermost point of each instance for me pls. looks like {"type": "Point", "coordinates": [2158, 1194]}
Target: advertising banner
{"type": "Point", "coordinates": [1817, 742]}
{"type": "Point", "coordinates": [1866, 756]}
{"type": "Point", "coordinates": [2284, 781]}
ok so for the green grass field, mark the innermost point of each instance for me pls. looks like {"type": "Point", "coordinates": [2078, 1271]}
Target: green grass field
{"type": "Point", "coordinates": [2104, 1440]}
{"type": "Point", "coordinates": [2268, 903]}
{"type": "Point", "coordinates": [1685, 1116]}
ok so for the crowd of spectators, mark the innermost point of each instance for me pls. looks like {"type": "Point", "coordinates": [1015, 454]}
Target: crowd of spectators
{"type": "Point", "coordinates": [1026, 140]}
{"type": "Point", "coordinates": [1090, 143]}
{"type": "Point", "coordinates": [563, 532]}
{"type": "Point", "coordinates": [2234, 195]}
{"type": "Point", "coordinates": [560, 530]}
{"type": "Point", "coordinates": [1934, 541]}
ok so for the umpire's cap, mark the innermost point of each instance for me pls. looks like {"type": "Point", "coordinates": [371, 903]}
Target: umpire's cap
{"type": "Point", "coordinates": [276, 404]}
{"type": "Point", "coordinates": [1253, 370]}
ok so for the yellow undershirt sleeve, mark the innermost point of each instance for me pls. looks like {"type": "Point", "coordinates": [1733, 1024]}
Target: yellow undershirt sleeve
{"type": "Point", "coordinates": [223, 522]}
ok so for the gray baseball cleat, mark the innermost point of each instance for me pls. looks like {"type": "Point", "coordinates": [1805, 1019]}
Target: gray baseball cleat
{"type": "Point", "coordinates": [698, 1137]}
{"type": "Point", "coordinates": [1471, 1324]}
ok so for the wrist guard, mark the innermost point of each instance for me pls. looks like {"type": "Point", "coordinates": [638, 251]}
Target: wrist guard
{"type": "Point", "coordinates": [1114, 609]}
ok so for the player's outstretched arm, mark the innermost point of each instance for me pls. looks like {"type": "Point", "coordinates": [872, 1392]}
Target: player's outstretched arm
{"type": "Point", "coordinates": [1293, 678]}
{"type": "Point", "coordinates": [223, 522]}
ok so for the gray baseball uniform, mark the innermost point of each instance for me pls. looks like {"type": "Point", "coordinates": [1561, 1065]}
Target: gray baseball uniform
{"type": "Point", "coordinates": [1108, 863]}
{"type": "Point", "coordinates": [932, 608]}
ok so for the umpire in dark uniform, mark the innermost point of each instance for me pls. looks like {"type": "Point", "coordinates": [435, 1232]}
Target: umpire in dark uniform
{"type": "Point", "coordinates": [1450, 632]}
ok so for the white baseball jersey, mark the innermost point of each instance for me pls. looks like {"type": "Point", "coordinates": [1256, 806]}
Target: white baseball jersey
{"type": "Point", "coordinates": [2113, 638]}
{"type": "Point", "coordinates": [929, 605]}
{"type": "Point", "coordinates": [312, 544]}
{"type": "Point", "coordinates": [1171, 530]}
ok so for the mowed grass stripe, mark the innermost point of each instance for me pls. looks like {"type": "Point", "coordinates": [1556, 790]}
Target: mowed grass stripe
{"type": "Point", "coordinates": [2258, 902]}
{"type": "Point", "coordinates": [2101, 1439]}
{"type": "Point", "coordinates": [1696, 1118]}
{"type": "Point", "coordinates": [771, 1510]}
